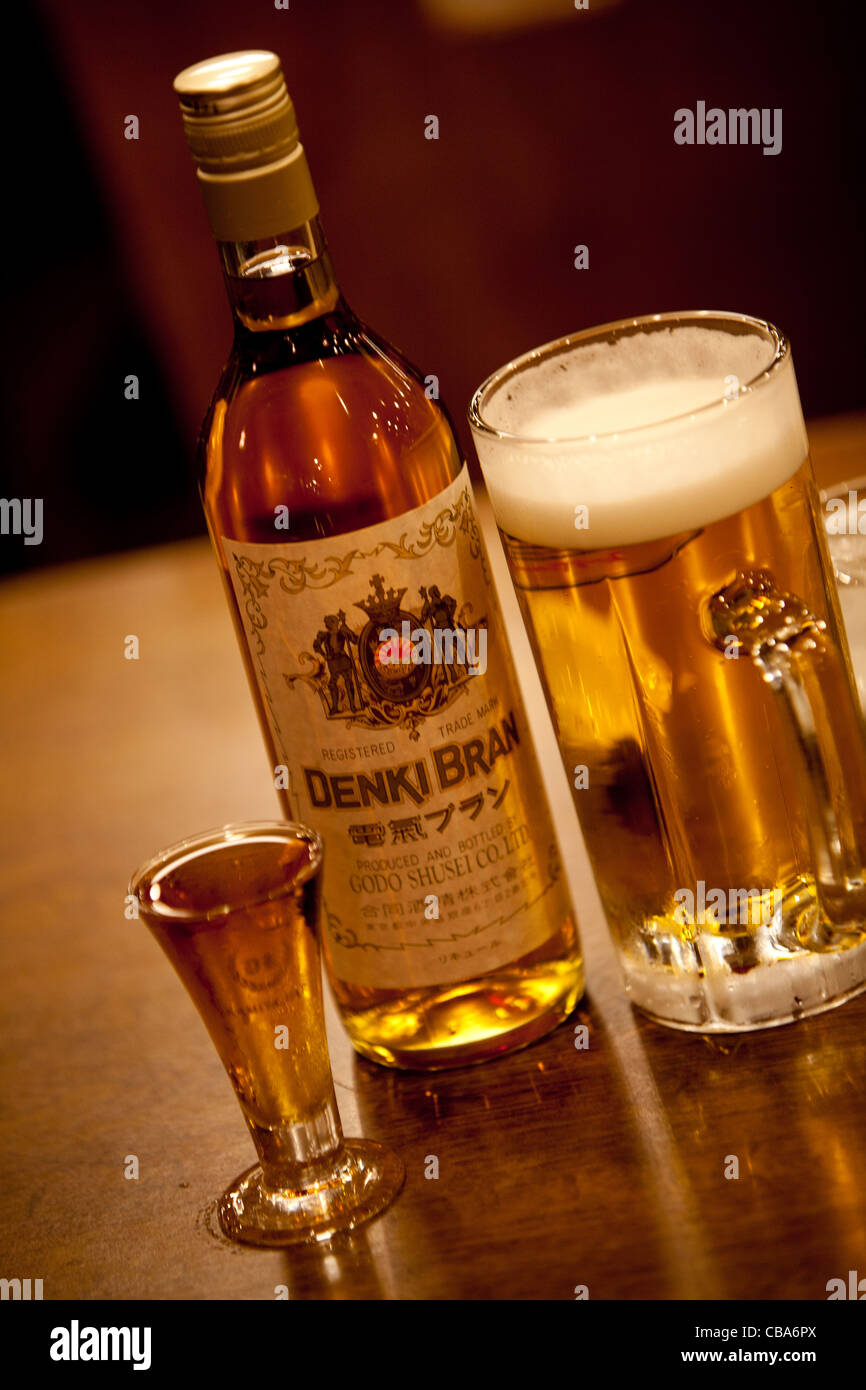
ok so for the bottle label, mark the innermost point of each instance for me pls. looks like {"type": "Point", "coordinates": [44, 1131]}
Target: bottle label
{"type": "Point", "coordinates": [387, 682]}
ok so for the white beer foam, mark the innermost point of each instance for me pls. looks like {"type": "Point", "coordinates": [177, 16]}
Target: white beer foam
{"type": "Point", "coordinates": [624, 432]}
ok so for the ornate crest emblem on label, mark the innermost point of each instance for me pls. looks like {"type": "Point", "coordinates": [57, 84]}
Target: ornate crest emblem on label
{"type": "Point", "coordinates": [372, 680]}
{"type": "Point", "coordinates": [359, 676]}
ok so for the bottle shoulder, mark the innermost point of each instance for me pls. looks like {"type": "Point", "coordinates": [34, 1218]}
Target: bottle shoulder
{"type": "Point", "coordinates": [326, 418]}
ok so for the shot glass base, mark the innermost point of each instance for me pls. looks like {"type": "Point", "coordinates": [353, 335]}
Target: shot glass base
{"type": "Point", "coordinates": [363, 1181]}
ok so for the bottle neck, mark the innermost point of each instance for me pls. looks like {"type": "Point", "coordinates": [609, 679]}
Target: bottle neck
{"type": "Point", "coordinates": [281, 281]}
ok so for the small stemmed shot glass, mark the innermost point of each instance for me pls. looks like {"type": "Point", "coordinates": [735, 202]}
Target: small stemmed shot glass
{"type": "Point", "coordinates": [236, 911]}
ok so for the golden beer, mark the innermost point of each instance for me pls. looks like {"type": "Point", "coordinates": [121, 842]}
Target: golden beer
{"type": "Point", "coordinates": [663, 532]}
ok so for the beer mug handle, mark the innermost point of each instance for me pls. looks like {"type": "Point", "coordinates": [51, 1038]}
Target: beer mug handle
{"type": "Point", "coordinates": [806, 670]}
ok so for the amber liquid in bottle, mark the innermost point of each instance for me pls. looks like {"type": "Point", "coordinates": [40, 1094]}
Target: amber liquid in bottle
{"type": "Point", "coordinates": [316, 414]}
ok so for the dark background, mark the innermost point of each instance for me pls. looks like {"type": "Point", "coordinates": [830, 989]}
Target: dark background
{"type": "Point", "coordinates": [553, 132]}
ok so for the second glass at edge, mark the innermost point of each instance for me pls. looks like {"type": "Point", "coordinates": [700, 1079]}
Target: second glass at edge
{"type": "Point", "coordinates": [656, 502]}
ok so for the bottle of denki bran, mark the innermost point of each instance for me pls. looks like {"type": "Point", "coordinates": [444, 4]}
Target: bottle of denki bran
{"type": "Point", "coordinates": [344, 523]}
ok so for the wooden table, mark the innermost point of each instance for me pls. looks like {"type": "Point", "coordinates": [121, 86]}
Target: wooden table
{"type": "Point", "coordinates": [558, 1167]}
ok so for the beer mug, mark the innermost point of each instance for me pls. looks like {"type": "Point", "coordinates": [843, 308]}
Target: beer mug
{"type": "Point", "coordinates": [656, 503]}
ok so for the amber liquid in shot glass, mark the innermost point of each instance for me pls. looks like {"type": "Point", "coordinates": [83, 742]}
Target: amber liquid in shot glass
{"type": "Point", "coordinates": [236, 912]}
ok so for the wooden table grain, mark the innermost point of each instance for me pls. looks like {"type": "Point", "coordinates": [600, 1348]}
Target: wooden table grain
{"type": "Point", "coordinates": [558, 1167]}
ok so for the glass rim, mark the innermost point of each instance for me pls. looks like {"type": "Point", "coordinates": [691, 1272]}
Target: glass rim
{"type": "Point", "coordinates": [618, 327]}
{"type": "Point", "coordinates": [834, 490]}
{"type": "Point", "coordinates": [210, 841]}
